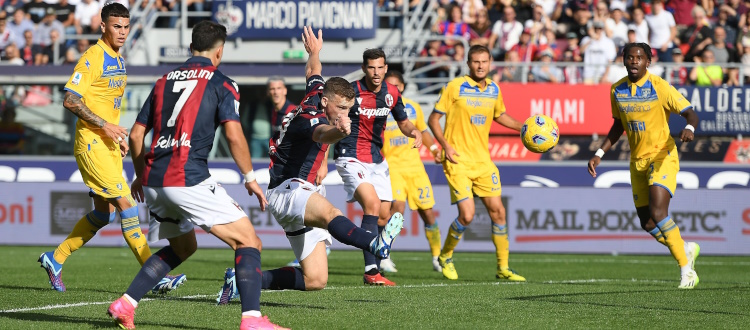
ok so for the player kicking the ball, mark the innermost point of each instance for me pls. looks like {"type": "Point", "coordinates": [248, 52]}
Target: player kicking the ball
{"type": "Point", "coordinates": [653, 154]}
{"type": "Point", "coordinates": [297, 204]}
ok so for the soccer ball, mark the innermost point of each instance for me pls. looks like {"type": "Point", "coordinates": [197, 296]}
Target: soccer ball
{"type": "Point", "coordinates": [539, 133]}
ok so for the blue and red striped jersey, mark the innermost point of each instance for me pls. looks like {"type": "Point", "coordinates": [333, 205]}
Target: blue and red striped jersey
{"type": "Point", "coordinates": [369, 116]}
{"type": "Point", "coordinates": [294, 154]}
{"type": "Point", "coordinates": [278, 116]}
{"type": "Point", "coordinates": [184, 109]}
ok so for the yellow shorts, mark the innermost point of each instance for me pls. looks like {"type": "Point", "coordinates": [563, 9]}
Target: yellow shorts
{"type": "Point", "coordinates": [467, 180]}
{"type": "Point", "coordinates": [101, 170]}
{"type": "Point", "coordinates": [413, 186]}
{"type": "Point", "coordinates": [660, 170]}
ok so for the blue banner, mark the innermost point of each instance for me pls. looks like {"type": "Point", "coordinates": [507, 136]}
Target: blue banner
{"type": "Point", "coordinates": [269, 20]}
{"type": "Point", "coordinates": [722, 110]}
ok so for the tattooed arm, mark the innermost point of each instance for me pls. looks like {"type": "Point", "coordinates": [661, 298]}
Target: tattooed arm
{"type": "Point", "coordinates": [73, 103]}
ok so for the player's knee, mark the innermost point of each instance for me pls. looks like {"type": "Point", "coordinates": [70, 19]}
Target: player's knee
{"type": "Point", "coordinates": [249, 241]}
{"type": "Point", "coordinates": [648, 225]}
{"type": "Point", "coordinates": [315, 283]}
{"type": "Point", "coordinates": [372, 207]}
{"type": "Point", "coordinates": [185, 250]}
{"type": "Point", "coordinates": [497, 216]}
{"type": "Point", "coordinates": [334, 212]}
{"type": "Point", "coordinates": [658, 215]}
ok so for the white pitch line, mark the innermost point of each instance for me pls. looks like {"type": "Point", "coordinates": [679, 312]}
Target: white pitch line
{"type": "Point", "coordinates": [602, 280]}
{"type": "Point", "coordinates": [92, 303]}
{"type": "Point", "coordinates": [621, 259]}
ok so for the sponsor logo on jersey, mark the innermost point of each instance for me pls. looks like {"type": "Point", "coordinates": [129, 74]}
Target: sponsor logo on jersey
{"type": "Point", "coordinates": [169, 142]}
{"type": "Point", "coordinates": [388, 100]}
{"type": "Point", "coordinates": [478, 119]}
{"type": "Point", "coordinates": [314, 121]}
{"type": "Point", "coordinates": [116, 83]}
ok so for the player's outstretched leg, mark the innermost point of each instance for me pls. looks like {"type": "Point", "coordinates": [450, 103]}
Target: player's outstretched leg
{"type": "Point", "coordinates": [455, 233]}
{"type": "Point", "coordinates": [432, 233]}
{"type": "Point", "coordinates": [84, 230]}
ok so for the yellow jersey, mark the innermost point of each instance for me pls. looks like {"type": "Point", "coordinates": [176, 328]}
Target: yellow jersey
{"type": "Point", "coordinates": [397, 147]}
{"type": "Point", "coordinates": [469, 111]}
{"type": "Point", "coordinates": [643, 108]}
{"type": "Point", "coordinates": [99, 79]}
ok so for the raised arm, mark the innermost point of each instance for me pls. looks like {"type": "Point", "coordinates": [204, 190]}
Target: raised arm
{"type": "Point", "coordinates": [313, 45]}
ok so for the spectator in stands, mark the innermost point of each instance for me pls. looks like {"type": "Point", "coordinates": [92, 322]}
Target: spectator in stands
{"type": "Point", "coordinates": [505, 33]}
{"type": "Point", "coordinates": [470, 9]}
{"type": "Point", "coordinates": [655, 68]}
{"type": "Point", "coordinates": [724, 52]}
{"type": "Point", "coordinates": [746, 66]}
{"type": "Point", "coordinates": [678, 74]}
{"type": "Point", "coordinates": [437, 51]}
{"type": "Point", "coordinates": [706, 73]}
{"type": "Point", "coordinates": [601, 14]}
{"type": "Point", "coordinates": [616, 28]}
{"type": "Point", "coordinates": [546, 72]}
{"type": "Point", "coordinates": [495, 10]}
{"type": "Point", "coordinates": [573, 47]}
{"type": "Point", "coordinates": [65, 12]}
{"type": "Point", "coordinates": [480, 32]}
{"type": "Point", "coordinates": [538, 24]}
{"type": "Point", "coordinates": [729, 26]}
{"type": "Point", "coordinates": [743, 36]}
{"type": "Point", "coordinates": [18, 25]}
{"type": "Point", "coordinates": [86, 10]}
{"type": "Point", "coordinates": [36, 10]}
{"type": "Point", "coordinates": [641, 27]}
{"type": "Point", "coordinates": [10, 6]}
{"type": "Point", "coordinates": [6, 35]}
{"type": "Point", "coordinates": [571, 73]}
{"type": "Point", "coordinates": [527, 51]}
{"type": "Point", "coordinates": [12, 56]}
{"type": "Point", "coordinates": [512, 72]}
{"type": "Point", "coordinates": [49, 23]}
{"type": "Point", "coordinates": [553, 45]}
{"type": "Point", "coordinates": [683, 12]}
{"type": "Point", "coordinates": [53, 50]}
{"type": "Point", "coordinates": [696, 37]}
{"type": "Point", "coordinates": [12, 133]}
{"type": "Point", "coordinates": [663, 31]}
{"type": "Point", "coordinates": [73, 54]}
{"type": "Point", "coordinates": [278, 102]}
{"type": "Point", "coordinates": [581, 18]}
{"type": "Point", "coordinates": [617, 70]}
{"type": "Point", "coordinates": [454, 27]}
{"type": "Point", "coordinates": [598, 53]}
{"type": "Point", "coordinates": [30, 51]}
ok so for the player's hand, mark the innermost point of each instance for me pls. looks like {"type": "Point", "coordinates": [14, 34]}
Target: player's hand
{"type": "Point", "coordinates": [322, 173]}
{"type": "Point", "coordinates": [115, 132]}
{"type": "Point", "coordinates": [254, 188]}
{"type": "Point", "coordinates": [136, 190]}
{"type": "Point", "coordinates": [312, 44]}
{"type": "Point", "coordinates": [687, 135]}
{"type": "Point", "coordinates": [436, 157]}
{"type": "Point", "coordinates": [124, 148]}
{"type": "Point", "coordinates": [417, 135]}
{"type": "Point", "coordinates": [450, 154]}
{"type": "Point", "coordinates": [593, 163]}
{"type": "Point", "coordinates": [344, 125]}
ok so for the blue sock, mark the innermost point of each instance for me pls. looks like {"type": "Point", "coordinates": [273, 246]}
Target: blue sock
{"type": "Point", "coordinates": [283, 278]}
{"type": "Point", "coordinates": [249, 277]}
{"type": "Point", "coordinates": [154, 269]}
{"type": "Point", "coordinates": [370, 224]}
{"type": "Point", "coordinates": [344, 231]}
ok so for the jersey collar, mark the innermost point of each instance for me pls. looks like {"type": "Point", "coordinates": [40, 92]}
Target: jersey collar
{"type": "Point", "coordinates": [476, 84]}
{"type": "Point", "coordinates": [107, 49]}
{"type": "Point", "coordinates": [640, 82]}
{"type": "Point", "coordinates": [200, 59]}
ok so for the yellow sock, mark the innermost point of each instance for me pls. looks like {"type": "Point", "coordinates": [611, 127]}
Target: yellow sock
{"type": "Point", "coordinates": [502, 245]}
{"type": "Point", "coordinates": [658, 236]}
{"type": "Point", "coordinates": [131, 231]}
{"type": "Point", "coordinates": [83, 231]}
{"type": "Point", "coordinates": [433, 238]}
{"type": "Point", "coordinates": [673, 239]}
{"type": "Point", "coordinates": [454, 236]}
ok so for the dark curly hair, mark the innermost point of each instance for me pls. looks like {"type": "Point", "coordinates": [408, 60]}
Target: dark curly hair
{"type": "Point", "coordinates": [646, 49]}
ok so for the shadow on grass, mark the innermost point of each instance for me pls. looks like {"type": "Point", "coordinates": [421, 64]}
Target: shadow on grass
{"type": "Point", "coordinates": [70, 320]}
{"type": "Point", "coordinates": [551, 298]}
{"type": "Point", "coordinates": [283, 305]}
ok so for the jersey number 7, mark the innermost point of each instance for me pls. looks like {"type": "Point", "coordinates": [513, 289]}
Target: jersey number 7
{"type": "Point", "coordinates": [188, 86]}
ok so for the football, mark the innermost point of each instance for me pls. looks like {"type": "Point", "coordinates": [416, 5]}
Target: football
{"type": "Point", "coordinates": [539, 133]}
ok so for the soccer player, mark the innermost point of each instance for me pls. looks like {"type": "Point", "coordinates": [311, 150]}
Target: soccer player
{"type": "Point", "coordinates": [468, 102]}
{"type": "Point", "coordinates": [184, 109]}
{"type": "Point", "coordinates": [297, 204]}
{"type": "Point", "coordinates": [358, 158]}
{"type": "Point", "coordinates": [641, 105]}
{"type": "Point", "coordinates": [94, 94]}
{"type": "Point", "coordinates": [409, 180]}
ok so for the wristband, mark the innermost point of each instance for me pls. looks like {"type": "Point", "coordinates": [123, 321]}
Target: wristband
{"type": "Point", "coordinates": [599, 153]}
{"type": "Point", "coordinates": [433, 148]}
{"type": "Point", "coordinates": [690, 127]}
{"type": "Point", "coordinates": [250, 176]}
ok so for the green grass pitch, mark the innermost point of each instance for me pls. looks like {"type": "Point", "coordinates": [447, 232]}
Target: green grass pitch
{"type": "Point", "coordinates": [563, 291]}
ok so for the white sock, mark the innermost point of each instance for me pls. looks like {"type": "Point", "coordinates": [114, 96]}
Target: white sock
{"type": "Point", "coordinates": [369, 267]}
{"type": "Point", "coordinates": [684, 270]}
{"type": "Point", "coordinates": [251, 314]}
{"type": "Point", "coordinates": [131, 300]}
{"type": "Point", "coordinates": [435, 258]}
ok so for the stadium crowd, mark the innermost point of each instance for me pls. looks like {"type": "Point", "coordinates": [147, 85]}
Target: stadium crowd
{"type": "Point", "coordinates": [32, 30]}
{"type": "Point", "coordinates": [709, 33]}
